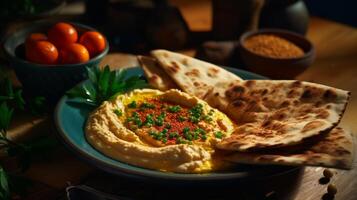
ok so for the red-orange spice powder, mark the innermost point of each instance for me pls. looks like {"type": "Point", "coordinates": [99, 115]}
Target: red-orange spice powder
{"type": "Point", "coordinates": [272, 46]}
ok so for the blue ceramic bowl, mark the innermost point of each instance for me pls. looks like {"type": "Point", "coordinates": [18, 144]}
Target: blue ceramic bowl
{"type": "Point", "coordinates": [70, 119]}
{"type": "Point", "coordinates": [50, 81]}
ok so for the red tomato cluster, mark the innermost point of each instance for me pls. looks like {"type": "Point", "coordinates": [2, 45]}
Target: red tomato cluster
{"type": "Point", "coordinates": [61, 45]}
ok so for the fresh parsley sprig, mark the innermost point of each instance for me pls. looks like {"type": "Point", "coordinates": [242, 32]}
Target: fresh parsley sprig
{"type": "Point", "coordinates": [11, 100]}
{"type": "Point", "coordinates": [5, 118]}
{"type": "Point", "coordinates": [4, 185]}
{"type": "Point", "coordinates": [104, 85]}
{"type": "Point", "coordinates": [10, 95]}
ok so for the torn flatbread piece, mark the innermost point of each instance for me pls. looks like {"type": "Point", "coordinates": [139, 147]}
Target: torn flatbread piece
{"type": "Point", "coordinates": [271, 114]}
{"type": "Point", "coordinates": [193, 76]}
{"type": "Point", "coordinates": [156, 76]}
{"type": "Point", "coordinates": [333, 150]}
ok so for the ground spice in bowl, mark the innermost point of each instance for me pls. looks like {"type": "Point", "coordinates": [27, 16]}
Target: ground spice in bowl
{"type": "Point", "coordinates": [272, 46]}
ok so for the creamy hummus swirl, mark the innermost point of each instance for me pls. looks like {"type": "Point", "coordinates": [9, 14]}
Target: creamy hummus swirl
{"type": "Point", "coordinates": [108, 133]}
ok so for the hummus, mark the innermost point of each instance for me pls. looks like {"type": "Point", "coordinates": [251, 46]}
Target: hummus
{"type": "Point", "coordinates": [167, 131]}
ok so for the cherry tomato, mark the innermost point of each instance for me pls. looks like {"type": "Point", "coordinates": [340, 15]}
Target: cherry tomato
{"type": "Point", "coordinates": [93, 41]}
{"type": "Point", "coordinates": [34, 37]}
{"type": "Point", "coordinates": [74, 53]}
{"type": "Point", "coordinates": [62, 34]}
{"type": "Point", "coordinates": [42, 52]}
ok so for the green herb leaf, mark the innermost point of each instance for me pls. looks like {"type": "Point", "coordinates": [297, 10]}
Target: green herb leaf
{"type": "Point", "coordinates": [149, 121]}
{"type": "Point", "coordinates": [174, 109]}
{"type": "Point", "coordinates": [173, 135]}
{"type": "Point", "coordinates": [136, 119]}
{"type": "Point", "coordinates": [103, 82]}
{"type": "Point", "coordinates": [4, 185]}
{"type": "Point", "coordinates": [20, 102]}
{"type": "Point", "coordinates": [104, 85]}
{"type": "Point", "coordinates": [164, 140]}
{"type": "Point", "coordinates": [5, 98]}
{"type": "Point", "coordinates": [147, 105]}
{"type": "Point", "coordinates": [218, 134]}
{"type": "Point", "coordinates": [92, 74]}
{"type": "Point", "coordinates": [90, 91]}
{"type": "Point", "coordinates": [132, 104]}
{"type": "Point", "coordinates": [181, 119]}
{"type": "Point", "coordinates": [118, 112]}
{"type": "Point", "coordinates": [196, 113]}
{"type": "Point", "coordinates": [160, 119]}
{"type": "Point", "coordinates": [5, 117]}
{"type": "Point", "coordinates": [186, 130]}
{"type": "Point", "coordinates": [203, 137]}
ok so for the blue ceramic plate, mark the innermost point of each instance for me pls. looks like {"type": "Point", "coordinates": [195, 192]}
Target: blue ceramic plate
{"type": "Point", "coordinates": [70, 121]}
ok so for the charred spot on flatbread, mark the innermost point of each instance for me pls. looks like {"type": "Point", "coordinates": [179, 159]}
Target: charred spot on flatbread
{"type": "Point", "coordinates": [331, 149]}
{"type": "Point", "coordinates": [193, 76]}
{"type": "Point", "coordinates": [291, 103]}
{"type": "Point", "coordinates": [156, 77]}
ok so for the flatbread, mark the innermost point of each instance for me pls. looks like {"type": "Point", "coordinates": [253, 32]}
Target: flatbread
{"type": "Point", "coordinates": [272, 114]}
{"type": "Point", "coordinates": [193, 76]}
{"type": "Point", "coordinates": [269, 113]}
{"type": "Point", "coordinates": [333, 150]}
{"type": "Point", "coordinates": [155, 75]}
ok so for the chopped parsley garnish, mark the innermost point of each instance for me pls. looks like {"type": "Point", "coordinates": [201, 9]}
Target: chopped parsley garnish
{"type": "Point", "coordinates": [149, 121]}
{"type": "Point", "coordinates": [118, 112]}
{"type": "Point", "coordinates": [164, 140]}
{"type": "Point", "coordinates": [160, 119]}
{"type": "Point", "coordinates": [187, 133]}
{"type": "Point", "coordinates": [188, 136]}
{"type": "Point", "coordinates": [173, 135]}
{"type": "Point", "coordinates": [196, 113]}
{"type": "Point", "coordinates": [132, 104]}
{"type": "Point", "coordinates": [185, 130]}
{"type": "Point", "coordinates": [164, 131]}
{"type": "Point", "coordinates": [154, 134]}
{"type": "Point", "coordinates": [168, 126]}
{"type": "Point", "coordinates": [164, 126]}
{"type": "Point", "coordinates": [137, 119]}
{"type": "Point", "coordinates": [151, 132]}
{"type": "Point", "coordinates": [174, 109]}
{"type": "Point", "coordinates": [147, 105]}
{"type": "Point", "coordinates": [181, 119]}
{"type": "Point", "coordinates": [196, 135]}
{"type": "Point", "coordinates": [207, 118]}
{"type": "Point", "coordinates": [200, 131]}
{"type": "Point", "coordinates": [194, 119]}
{"type": "Point", "coordinates": [180, 141]}
{"type": "Point", "coordinates": [159, 135]}
{"type": "Point", "coordinates": [203, 137]}
{"type": "Point", "coordinates": [218, 134]}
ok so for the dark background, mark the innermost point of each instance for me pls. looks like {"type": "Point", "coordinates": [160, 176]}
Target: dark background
{"type": "Point", "coordinates": [344, 11]}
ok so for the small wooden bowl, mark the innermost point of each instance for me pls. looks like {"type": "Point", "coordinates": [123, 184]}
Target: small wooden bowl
{"type": "Point", "coordinates": [278, 68]}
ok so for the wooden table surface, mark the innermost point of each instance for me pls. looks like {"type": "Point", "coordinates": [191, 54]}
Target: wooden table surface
{"type": "Point", "coordinates": [335, 65]}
